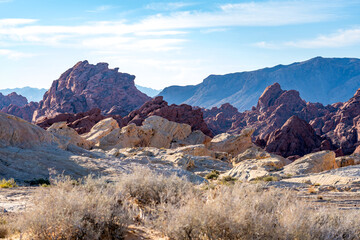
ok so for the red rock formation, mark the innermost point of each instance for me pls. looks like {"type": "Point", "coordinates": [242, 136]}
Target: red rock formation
{"type": "Point", "coordinates": [219, 120]}
{"type": "Point", "coordinates": [342, 126]}
{"type": "Point", "coordinates": [12, 98]}
{"type": "Point", "coordinates": [24, 112]}
{"type": "Point", "coordinates": [177, 113]}
{"type": "Point", "coordinates": [339, 123]}
{"type": "Point", "coordinates": [86, 86]}
{"type": "Point", "coordinates": [295, 137]}
{"type": "Point", "coordinates": [81, 122]}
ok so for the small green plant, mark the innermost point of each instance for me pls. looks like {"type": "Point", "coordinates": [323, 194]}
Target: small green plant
{"type": "Point", "coordinates": [213, 175]}
{"type": "Point", "coordinates": [228, 180]}
{"type": "Point", "coordinates": [267, 179]}
{"type": "Point", "coordinates": [8, 183]}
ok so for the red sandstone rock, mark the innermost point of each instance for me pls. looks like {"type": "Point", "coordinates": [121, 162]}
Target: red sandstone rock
{"type": "Point", "coordinates": [295, 137]}
{"type": "Point", "coordinates": [81, 122]}
{"type": "Point", "coordinates": [86, 86]}
{"type": "Point", "coordinates": [12, 98]}
{"type": "Point", "coordinates": [24, 112]}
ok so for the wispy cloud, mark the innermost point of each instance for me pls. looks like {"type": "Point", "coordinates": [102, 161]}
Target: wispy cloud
{"type": "Point", "coordinates": [14, 55]}
{"type": "Point", "coordinates": [342, 38]}
{"type": "Point", "coordinates": [100, 9]}
{"type": "Point", "coordinates": [167, 6]}
{"type": "Point", "coordinates": [5, 1]}
{"type": "Point", "coordinates": [164, 32]}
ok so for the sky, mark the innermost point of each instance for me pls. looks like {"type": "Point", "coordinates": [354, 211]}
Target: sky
{"type": "Point", "coordinates": [167, 43]}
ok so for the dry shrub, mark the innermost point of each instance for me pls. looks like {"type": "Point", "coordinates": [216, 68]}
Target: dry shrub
{"type": "Point", "coordinates": [247, 211]}
{"type": "Point", "coordinates": [150, 188]}
{"type": "Point", "coordinates": [90, 209]}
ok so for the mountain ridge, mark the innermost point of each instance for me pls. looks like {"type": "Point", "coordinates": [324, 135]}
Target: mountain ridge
{"type": "Point", "coordinates": [325, 80]}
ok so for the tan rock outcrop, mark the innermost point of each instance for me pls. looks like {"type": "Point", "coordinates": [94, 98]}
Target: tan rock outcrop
{"type": "Point", "coordinates": [67, 136]}
{"type": "Point", "coordinates": [345, 161]}
{"type": "Point", "coordinates": [232, 143]}
{"type": "Point", "coordinates": [155, 132]}
{"type": "Point", "coordinates": [101, 129]}
{"type": "Point", "coordinates": [312, 163]}
{"type": "Point", "coordinates": [128, 136]}
{"type": "Point", "coordinates": [255, 163]}
{"type": "Point", "coordinates": [17, 132]}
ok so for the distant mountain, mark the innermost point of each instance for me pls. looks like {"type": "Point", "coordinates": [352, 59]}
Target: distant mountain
{"type": "Point", "coordinates": [325, 80]}
{"type": "Point", "coordinates": [32, 94]}
{"type": "Point", "coordinates": [148, 91]}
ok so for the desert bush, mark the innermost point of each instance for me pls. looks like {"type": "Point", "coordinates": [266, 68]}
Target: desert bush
{"type": "Point", "coordinates": [213, 175]}
{"type": "Point", "coordinates": [248, 211]}
{"type": "Point", "coordinates": [8, 183]}
{"type": "Point", "coordinates": [89, 210]}
{"type": "Point", "coordinates": [150, 188]}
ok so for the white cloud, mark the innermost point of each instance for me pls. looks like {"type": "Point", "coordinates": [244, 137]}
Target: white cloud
{"type": "Point", "coordinates": [6, 22]}
{"type": "Point", "coordinates": [341, 38]}
{"type": "Point", "coordinates": [162, 32]}
{"type": "Point", "coordinates": [163, 6]}
{"type": "Point", "coordinates": [14, 55]}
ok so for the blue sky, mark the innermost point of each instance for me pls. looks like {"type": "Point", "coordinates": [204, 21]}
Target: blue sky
{"type": "Point", "coordinates": [169, 42]}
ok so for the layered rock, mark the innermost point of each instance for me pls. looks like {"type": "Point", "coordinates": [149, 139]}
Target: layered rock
{"type": "Point", "coordinates": [86, 86]}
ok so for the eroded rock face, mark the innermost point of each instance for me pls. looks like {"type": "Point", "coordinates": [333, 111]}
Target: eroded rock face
{"type": "Point", "coordinates": [17, 132]}
{"type": "Point", "coordinates": [86, 86]}
{"type": "Point", "coordinates": [176, 113]}
{"type": "Point", "coordinates": [295, 137]}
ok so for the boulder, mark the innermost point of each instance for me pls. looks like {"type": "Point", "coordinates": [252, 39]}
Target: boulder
{"type": "Point", "coordinates": [17, 132]}
{"type": "Point", "coordinates": [232, 143]}
{"type": "Point", "coordinates": [68, 136]}
{"type": "Point", "coordinates": [101, 129]}
{"type": "Point", "coordinates": [258, 154]}
{"type": "Point", "coordinates": [311, 163]}
{"type": "Point", "coordinates": [345, 161]}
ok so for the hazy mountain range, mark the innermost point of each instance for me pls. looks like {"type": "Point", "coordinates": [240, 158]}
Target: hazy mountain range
{"type": "Point", "coordinates": [32, 94]}
{"type": "Point", "coordinates": [325, 80]}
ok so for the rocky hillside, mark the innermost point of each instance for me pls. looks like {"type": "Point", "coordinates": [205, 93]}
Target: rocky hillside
{"type": "Point", "coordinates": [324, 80]}
{"type": "Point", "coordinates": [86, 86]}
